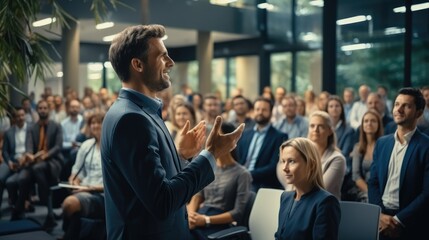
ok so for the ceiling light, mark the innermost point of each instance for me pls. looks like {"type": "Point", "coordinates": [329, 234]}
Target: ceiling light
{"type": "Point", "coordinates": [414, 7]}
{"type": "Point", "coordinates": [309, 36]}
{"type": "Point", "coordinates": [60, 74]}
{"type": "Point", "coordinates": [393, 30]}
{"type": "Point", "coordinates": [96, 67]}
{"type": "Point", "coordinates": [355, 19]}
{"type": "Point", "coordinates": [222, 1]}
{"type": "Point", "coordinates": [107, 64]}
{"type": "Point", "coordinates": [43, 22]}
{"type": "Point", "coordinates": [109, 38]}
{"type": "Point", "coordinates": [358, 46]}
{"type": "Point", "coordinates": [94, 76]}
{"type": "Point", "coordinates": [316, 3]}
{"type": "Point", "coordinates": [104, 25]}
{"type": "Point", "coordinates": [265, 6]}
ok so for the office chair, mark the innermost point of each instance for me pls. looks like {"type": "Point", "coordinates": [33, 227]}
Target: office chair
{"type": "Point", "coordinates": [263, 219]}
{"type": "Point", "coordinates": [358, 221]}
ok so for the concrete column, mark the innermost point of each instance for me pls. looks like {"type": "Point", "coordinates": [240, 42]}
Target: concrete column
{"type": "Point", "coordinates": [204, 58]}
{"type": "Point", "coordinates": [247, 75]}
{"type": "Point", "coordinates": [70, 56]}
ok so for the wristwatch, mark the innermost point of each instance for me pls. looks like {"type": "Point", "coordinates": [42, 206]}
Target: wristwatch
{"type": "Point", "coordinates": [207, 218]}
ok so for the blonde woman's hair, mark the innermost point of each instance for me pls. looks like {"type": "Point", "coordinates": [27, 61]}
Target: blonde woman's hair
{"type": "Point", "coordinates": [311, 156]}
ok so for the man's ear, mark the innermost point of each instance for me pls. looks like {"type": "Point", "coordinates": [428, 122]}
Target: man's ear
{"type": "Point", "coordinates": [137, 64]}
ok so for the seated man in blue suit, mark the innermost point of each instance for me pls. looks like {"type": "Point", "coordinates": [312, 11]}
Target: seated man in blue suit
{"type": "Point", "coordinates": [399, 181]}
{"type": "Point", "coordinates": [258, 148]}
{"type": "Point", "coordinates": [146, 188]}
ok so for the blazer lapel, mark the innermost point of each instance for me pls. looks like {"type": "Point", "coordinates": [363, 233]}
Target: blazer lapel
{"type": "Point", "coordinates": [12, 140]}
{"type": "Point", "coordinates": [246, 143]}
{"type": "Point", "coordinates": [167, 136]}
{"type": "Point", "coordinates": [387, 152]}
{"type": "Point", "coordinates": [157, 119]}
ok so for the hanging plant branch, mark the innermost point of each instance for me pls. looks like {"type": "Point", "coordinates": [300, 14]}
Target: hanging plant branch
{"type": "Point", "coordinates": [23, 53]}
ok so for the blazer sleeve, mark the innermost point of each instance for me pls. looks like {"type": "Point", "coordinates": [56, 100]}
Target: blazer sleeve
{"type": "Point", "coordinates": [57, 135]}
{"type": "Point", "coordinates": [7, 150]}
{"type": "Point", "coordinates": [137, 149]}
{"type": "Point", "coordinates": [327, 220]}
{"type": "Point", "coordinates": [29, 141]}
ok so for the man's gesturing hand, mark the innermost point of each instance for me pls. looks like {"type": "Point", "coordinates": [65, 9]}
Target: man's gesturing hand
{"type": "Point", "coordinates": [219, 144]}
{"type": "Point", "coordinates": [190, 142]}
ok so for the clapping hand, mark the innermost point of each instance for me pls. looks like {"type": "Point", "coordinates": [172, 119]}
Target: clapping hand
{"type": "Point", "coordinates": [219, 144]}
{"type": "Point", "coordinates": [190, 142]}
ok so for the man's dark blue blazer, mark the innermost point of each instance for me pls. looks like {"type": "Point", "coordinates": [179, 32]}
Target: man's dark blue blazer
{"type": "Point", "coordinates": [413, 186]}
{"type": "Point", "coordinates": [264, 173]}
{"type": "Point", "coordinates": [145, 188]}
{"type": "Point", "coordinates": [9, 144]}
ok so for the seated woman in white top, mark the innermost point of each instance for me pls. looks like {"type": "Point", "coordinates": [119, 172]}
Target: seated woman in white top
{"type": "Point", "coordinates": [88, 201]}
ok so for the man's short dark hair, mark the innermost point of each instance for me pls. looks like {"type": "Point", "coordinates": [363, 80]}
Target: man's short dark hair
{"type": "Point", "coordinates": [263, 99]}
{"type": "Point", "coordinates": [132, 43]}
{"type": "Point", "coordinates": [210, 96]}
{"type": "Point", "coordinates": [417, 94]}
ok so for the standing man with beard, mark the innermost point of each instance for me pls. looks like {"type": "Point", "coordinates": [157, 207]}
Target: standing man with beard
{"type": "Point", "coordinates": [145, 187]}
{"type": "Point", "coordinates": [399, 181]}
{"type": "Point", "coordinates": [258, 148]}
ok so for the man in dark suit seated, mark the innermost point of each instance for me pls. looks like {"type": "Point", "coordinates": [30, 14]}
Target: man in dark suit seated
{"type": "Point", "coordinates": [43, 158]}
{"type": "Point", "coordinates": [258, 148]}
{"type": "Point", "coordinates": [400, 172]}
{"type": "Point", "coordinates": [13, 149]}
{"type": "Point", "coordinates": [145, 187]}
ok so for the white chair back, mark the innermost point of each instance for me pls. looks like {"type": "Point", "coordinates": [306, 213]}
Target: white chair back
{"type": "Point", "coordinates": [263, 220]}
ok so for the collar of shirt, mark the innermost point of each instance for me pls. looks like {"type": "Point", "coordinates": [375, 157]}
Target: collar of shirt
{"type": "Point", "coordinates": [338, 124]}
{"type": "Point", "coordinates": [407, 136]}
{"type": "Point", "coordinates": [23, 126]}
{"type": "Point", "coordinates": [263, 130]}
{"type": "Point", "coordinates": [154, 103]}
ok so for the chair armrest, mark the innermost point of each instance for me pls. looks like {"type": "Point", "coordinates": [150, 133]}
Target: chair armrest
{"type": "Point", "coordinates": [229, 232]}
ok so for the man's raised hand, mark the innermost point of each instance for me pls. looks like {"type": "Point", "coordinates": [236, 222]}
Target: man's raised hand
{"type": "Point", "coordinates": [219, 144]}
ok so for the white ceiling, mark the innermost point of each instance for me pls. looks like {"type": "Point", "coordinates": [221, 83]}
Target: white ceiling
{"type": "Point", "coordinates": [176, 37]}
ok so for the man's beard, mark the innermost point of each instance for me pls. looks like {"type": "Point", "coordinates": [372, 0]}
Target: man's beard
{"type": "Point", "coordinates": [43, 117]}
{"type": "Point", "coordinates": [262, 120]}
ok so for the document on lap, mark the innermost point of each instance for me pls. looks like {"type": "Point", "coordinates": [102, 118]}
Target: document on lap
{"type": "Point", "coordinates": [68, 185]}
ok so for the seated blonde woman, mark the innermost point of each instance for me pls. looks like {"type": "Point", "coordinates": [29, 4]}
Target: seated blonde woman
{"type": "Point", "coordinates": [322, 133]}
{"type": "Point", "coordinates": [309, 211]}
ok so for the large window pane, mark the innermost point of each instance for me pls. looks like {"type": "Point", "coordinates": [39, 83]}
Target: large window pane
{"type": "Point", "coordinates": [309, 71]}
{"type": "Point", "coordinates": [371, 50]}
{"type": "Point", "coordinates": [112, 81]}
{"type": "Point", "coordinates": [281, 70]}
{"type": "Point", "coordinates": [94, 76]}
{"type": "Point", "coordinates": [420, 53]}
